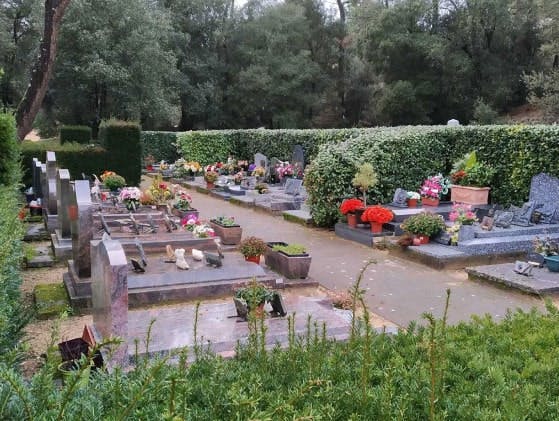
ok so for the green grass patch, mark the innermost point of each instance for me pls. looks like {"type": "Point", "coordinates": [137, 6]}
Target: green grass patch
{"type": "Point", "coordinates": [50, 300]}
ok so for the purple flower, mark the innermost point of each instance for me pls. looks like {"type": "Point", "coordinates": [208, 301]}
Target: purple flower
{"type": "Point", "coordinates": [251, 167]}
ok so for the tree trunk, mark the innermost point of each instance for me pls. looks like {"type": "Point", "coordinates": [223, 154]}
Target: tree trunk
{"type": "Point", "coordinates": [42, 70]}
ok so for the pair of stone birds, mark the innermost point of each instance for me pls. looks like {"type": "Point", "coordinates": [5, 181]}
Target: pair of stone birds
{"type": "Point", "coordinates": [177, 256]}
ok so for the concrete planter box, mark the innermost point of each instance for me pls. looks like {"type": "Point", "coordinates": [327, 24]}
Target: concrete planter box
{"type": "Point", "coordinates": [470, 195]}
{"type": "Point", "coordinates": [181, 213]}
{"type": "Point", "coordinates": [230, 235]}
{"type": "Point", "coordinates": [292, 267]}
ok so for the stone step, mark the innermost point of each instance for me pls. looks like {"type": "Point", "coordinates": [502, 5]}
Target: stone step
{"type": "Point", "coordinates": [300, 216]}
{"type": "Point", "coordinates": [541, 230]}
{"type": "Point", "coordinates": [500, 245]}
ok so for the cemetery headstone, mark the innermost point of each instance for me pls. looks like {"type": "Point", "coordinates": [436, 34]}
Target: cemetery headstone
{"type": "Point", "coordinates": [37, 178]}
{"type": "Point", "coordinates": [502, 218]}
{"type": "Point", "coordinates": [261, 160]}
{"type": "Point", "coordinates": [64, 198]}
{"type": "Point", "coordinates": [293, 186]}
{"type": "Point", "coordinates": [298, 159]}
{"type": "Point", "coordinates": [109, 287]}
{"type": "Point", "coordinates": [82, 228]}
{"type": "Point", "coordinates": [400, 198]}
{"type": "Point", "coordinates": [522, 215]}
{"type": "Point", "coordinates": [453, 123]}
{"type": "Point", "coordinates": [51, 183]}
{"type": "Point", "coordinates": [44, 187]}
{"type": "Point", "coordinates": [443, 237]}
{"type": "Point", "coordinates": [544, 190]}
{"type": "Point", "coordinates": [34, 180]}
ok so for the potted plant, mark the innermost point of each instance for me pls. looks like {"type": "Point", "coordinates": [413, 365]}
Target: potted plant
{"type": "Point", "coordinates": [549, 249]}
{"type": "Point", "coordinates": [423, 225]}
{"type": "Point", "coordinates": [376, 216]}
{"type": "Point", "coordinates": [202, 230]}
{"type": "Point", "coordinates": [186, 170]}
{"type": "Point", "coordinates": [252, 248]}
{"type": "Point", "coordinates": [290, 260]}
{"type": "Point", "coordinates": [159, 193]}
{"type": "Point", "coordinates": [349, 208]}
{"type": "Point", "coordinates": [182, 205]}
{"type": "Point", "coordinates": [227, 229]}
{"type": "Point", "coordinates": [149, 160]}
{"type": "Point", "coordinates": [470, 179]}
{"type": "Point", "coordinates": [210, 177]}
{"type": "Point", "coordinates": [413, 197]}
{"type": "Point", "coordinates": [112, 180]}
{"type": "Point", "coordinates": [365, 178]}
{"type": "Point", "coordinates": [255, 295]}
{"type": "Point", "coordinates": [432, 189]}
{"type": "Point", "coordinates": [464, 219]}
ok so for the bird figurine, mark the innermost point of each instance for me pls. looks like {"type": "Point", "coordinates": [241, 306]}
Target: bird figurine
{"type": "Point", "coordinates": [170, 258]}
{"type": "Point", "coordinates": [197, 254]}
{"type": "Point", "coordinates": [181, 261]}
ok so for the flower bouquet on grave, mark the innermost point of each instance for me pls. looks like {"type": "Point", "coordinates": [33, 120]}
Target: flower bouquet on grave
{"type": "Point", "coordinates": [130, 197]}
{"type": "Point", "coordinates": [183, 169]}
{"type": "Point", "coordinates": [285, 170]}
{"type": "Point", "coordinates": [203, 230]}
{"type": "Point", "coordinates": [462, 214]}
{"type": "Point", "coordinates": [159, 191]}
{"type": "Point", "coordinates": [259, 172]}
{"type": "Point", "coordinates": [376, 216]}
{"type": "Point", "coordinates": [432, 189]}
{"type": "Point", "coordinates": [190, 221]}
{"type": "Point", "coordinates": [349, 208]}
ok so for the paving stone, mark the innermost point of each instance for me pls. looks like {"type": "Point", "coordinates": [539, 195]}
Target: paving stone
{"type": "Point", "coordinates": [542, 280]}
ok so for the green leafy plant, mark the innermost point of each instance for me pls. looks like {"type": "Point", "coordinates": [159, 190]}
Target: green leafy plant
{"type": "Point", "coordinates": [424, 223]}
{"type": "Point", "coordinates": [226, 221]}
{"type": "Point", "coordinates": [255, 294]}
{"type": "Point", "coordinates": [112, 180]}
{"type": "Point", "coordinates": [252, 246]}
{"type": "Point", "coordinates": [467, 171]}
{"type": "Point", "coordinates": [365, 178]}
{"type": "Point", "coordinates": [292, 249]}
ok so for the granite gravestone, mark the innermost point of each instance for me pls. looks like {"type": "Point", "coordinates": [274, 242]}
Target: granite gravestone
{"type": "Point", "coordinates": [522, 215]}
{"type": "Point", "coordinates": [64, 198]}
{"type": "Point", "coordinates": [249, 183]}
{"type": "Point", "coordinates": [43, 177]}
{"type": "Point", "coordinates": [544, 190]}
{"type": "Point", "coordinates": [274, 165]}
{"type": "Point", "coordinates": [453, 122]}
{"type": "Point", "coordinates": [502, 219]}
{"type": "Point", "coordinates": [261, 160]}
{"type": "Point", "coordinates": [293, 186]}
{"type": "Point", "coordinates": [298, 159]}
{"type": "Point", "coordinates": [82, 228]}
{"type": "Point", "coordinates": [51, 183]}
{"type": "Point", "coordinates": [34, 180]}
{"type": "Point", "coordinates": [37, 179]}
{"type": "Point", "coordinates": [109, 287]}
{"type": "Point", "coordinates": [400, 198]}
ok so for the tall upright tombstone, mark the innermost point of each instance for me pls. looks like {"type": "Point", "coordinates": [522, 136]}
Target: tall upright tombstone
{"type": "Point", "coordinates": [64, 199]}
{"type": "Point", "coordinates": [36, 169]}
{"type": "Point", "coordinates": [51, 183]}
{"type": "Point", "coordinates": [43, 182]}
{"type": "Point", "coordinates": [80, 213]}
{"type": "Point", "coordinates": [298, 159]}
{"type": "Point", "coordinates": [109, 287]}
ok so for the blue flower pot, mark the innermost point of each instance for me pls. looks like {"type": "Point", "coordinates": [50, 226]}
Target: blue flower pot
{"type": "Point", "coordinates": [552, 263]}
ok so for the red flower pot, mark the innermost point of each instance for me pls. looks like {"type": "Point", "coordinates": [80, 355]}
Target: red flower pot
{"type": "Point", "coordinates": [253, 259]}
{"type": "Point", "coordinates": [209, 185]}
{"type": "Point", "coordinates": [421, 239]}
{"type": "Point", "coordinates": [376, 227]}
{"type": "Point", "coordinates": [351, 220]}
{"type": "Point", "coordinates": [429, 201]}
{"type": "Point", "coordinates": [412, 203]}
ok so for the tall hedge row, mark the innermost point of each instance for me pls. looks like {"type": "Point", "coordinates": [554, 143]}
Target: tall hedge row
{"type": "Point", "coordinates": [9, 151]}
{"type": "Point", "coordinates": [122, 141]}
{"type": "Point", "coordinates": [210, 146]}
{"type": "Point", "coordinates": [79, 134]}
{"type": "Point", "coordinates": [404, 156]}
{"type": "Point", "coordinates": [160, 145]}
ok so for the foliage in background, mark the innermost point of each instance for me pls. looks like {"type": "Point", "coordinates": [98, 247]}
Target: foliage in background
{"type": "Point", "coordinates": [79, 134]}
{"type": "Point", "coordinates": [9, 151]}
{"type": "Point", "coordinates": [122, 142]}
{"type": "Point", "coordinates": [405, 156]}
{"type": "Point", "coordinates": [162, 146]}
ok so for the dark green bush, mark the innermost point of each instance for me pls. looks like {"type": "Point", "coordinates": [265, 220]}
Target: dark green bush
{"type": "Point", "coordinates": [9, 151]}
{"type": "Point", "coordinates": [160, 145]}
{"type": "Point", "coordinates": [79, 134]}
{"type": "Point", "coordinates": [121, 139]}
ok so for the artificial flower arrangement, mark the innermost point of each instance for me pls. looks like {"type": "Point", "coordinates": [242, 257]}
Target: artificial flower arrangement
{"type": "Point", "coordinates": [211, 176]}
{"type": "Point", "coordinates": [285, 170]}
{"type": "Point", "coordinates": [130, 196]}
{"type": "Point", "coordinates": [112, 180]}
{"type": "Point", "coordinates": [434, 187]}
{"type": "Point", "coordinates": [378, 214]}
{"type": "Point", "coordinates": [259, 171]}
{"type": "Point", "coordinates": [203, 230]}
{"type": "Point", "coordinates": [462, 214]}
{"type": "Point", "coordinates": [413, 195]}
{"type": "Point", "coordinates": [158, 192]}
{"type": "Point", "coordinates": [183, 168]}
{"type": "Point", "coordinates": [225, 221]}
{"type": "Point", "coordinates": [467, 171]}
{"type": "Point", "coordinates": [213, 167]}
{"type": "Point", "coordinates": [183, 201]}
{"type": "Point", "coordinates": [546, 246]}
{"type": "Point", "coordinates": [190, 221]}
{"type": "Point", "coordinates": [350, 206]}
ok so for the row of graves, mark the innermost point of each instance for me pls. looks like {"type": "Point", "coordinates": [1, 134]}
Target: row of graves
{"type": "Point", "coordinates": [129, 265]}
{"type": "Point", "coordinates": [267, 183]}
{"type": "Point", "coordinates": [516, 246]}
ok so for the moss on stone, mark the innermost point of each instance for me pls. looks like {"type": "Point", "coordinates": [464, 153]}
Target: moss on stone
{"type": "Point", "coordinates": [50, 300]}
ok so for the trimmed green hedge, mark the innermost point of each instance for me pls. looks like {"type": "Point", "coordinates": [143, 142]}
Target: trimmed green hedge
{"type": "Point", "coordinates": [161, 145]}
{"type": "Point", "coordinates": [216, 145]}
{"type": "Point", "coordinates": [405, 156]}
{"type": "Point", "coordinates": [122, 141]}
{"type": "Point", "coordinates": [9, 151]}
{"type": "Point", "coordinates": [79, 134]}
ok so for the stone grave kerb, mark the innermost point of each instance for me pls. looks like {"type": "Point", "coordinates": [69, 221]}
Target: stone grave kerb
{"type": "Point", "coordinates": [51, 183]}
{"type": "Point", "coordinates": [65, 193]}
{"type": "Point", "coordinates": [109, 287]}
{"type": "Point", "coordinates": [80, 212]}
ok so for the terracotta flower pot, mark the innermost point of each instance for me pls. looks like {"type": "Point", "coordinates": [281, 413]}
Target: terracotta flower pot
{"type": "Point", "coordinates": [209, 185]}
{"type": "Point", "coordinates": [421, 239]}
{"type": "Point", "coordinates": [352, 220]}
{"type": "Point", "coordinates": [429, 201]}
{"type": "Point", "coordinates": [376, 227]}
{"type": "Point", "coordinates": [412, 203]}
{"type": "Point", "coordinates": [253, 259]}
{"type": "Point", "coordinates": [470, 195]}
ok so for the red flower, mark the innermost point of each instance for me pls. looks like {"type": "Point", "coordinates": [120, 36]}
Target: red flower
{"type": "Point", "coordinates": [377, 214]}
{"type": "Point", "coordinates": [163, 186]}
{"type": "Point", "coordinates": [350, 206]}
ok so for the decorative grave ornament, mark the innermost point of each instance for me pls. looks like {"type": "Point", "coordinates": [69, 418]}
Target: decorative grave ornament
{"type": "Point", "coordinates": [137, 266]}
{"type": "Point", "coordinates": [535, 259]}
{"type": "Point", "coordinates": [170, 258]}
{"type": "Point", "coordinates": [503, 219]}
{"type": "Point", "coordinates": [523, 268]}
{"type": "Point", "coordinates": [400, 198]}
{"type": "Point", "coordinates": [213, 260]}
{"type": "Point", "coordinates": [197, 255]}
{"type": "Point", "coordinates": [293, 186]}
{"type": "Point", "coordinates": [141, 251]}
{"type": "Point", "coordinates": [487, 223]}
{"type": "Point", "coordinates": [522, 215]}
{"type": "Point", "coordinates": [181, 261]}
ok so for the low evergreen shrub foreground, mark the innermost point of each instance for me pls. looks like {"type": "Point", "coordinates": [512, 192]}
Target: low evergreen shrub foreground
{"type": "Point", "coordinates": [405, 156]}
{"type": "Point", "coordinates": [78, 134]}
{"type": "Point", "coordinates": [480, 370]}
